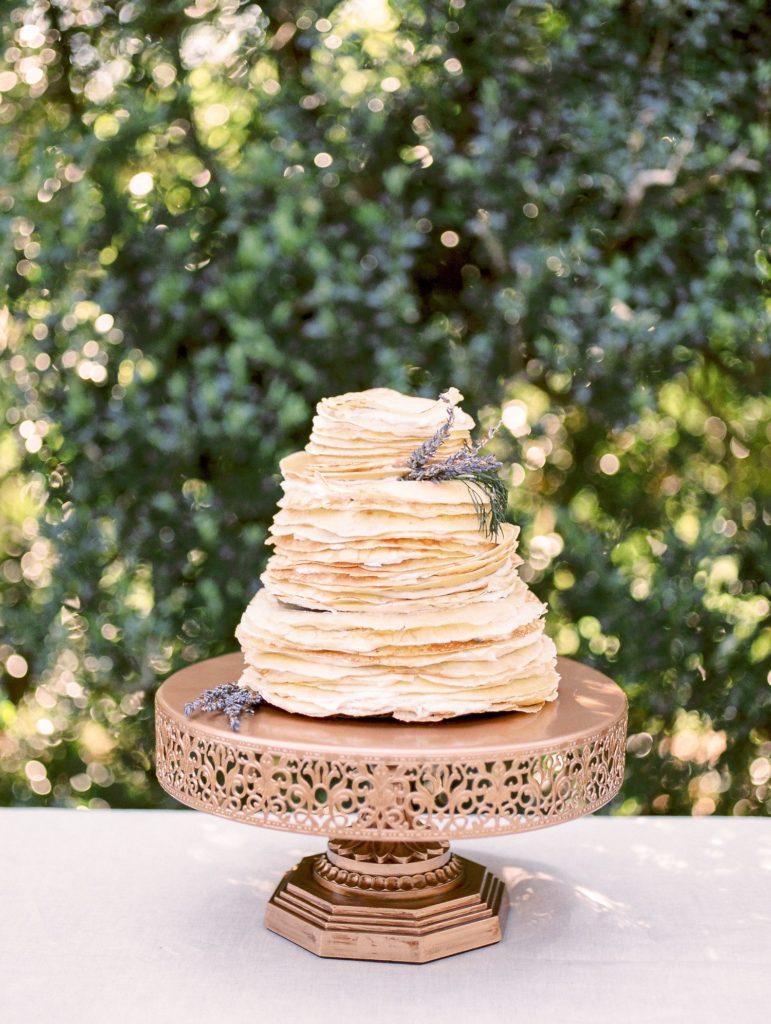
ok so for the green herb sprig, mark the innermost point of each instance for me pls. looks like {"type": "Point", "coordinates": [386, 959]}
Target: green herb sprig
{"type": "Point", "coordinates": [478, 472]}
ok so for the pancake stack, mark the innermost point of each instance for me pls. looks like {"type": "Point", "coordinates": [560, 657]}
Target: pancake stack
{"type": "Point", "coordinates": [383, 595]}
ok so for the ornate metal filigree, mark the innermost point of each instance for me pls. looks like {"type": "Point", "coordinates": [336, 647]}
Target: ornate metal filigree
{"type": "Point", "coordinates": [368, 799]}
{"type": "Point", "coordinates": [386, 855]}
{"type": "Point", "coordinates": [368, 881]}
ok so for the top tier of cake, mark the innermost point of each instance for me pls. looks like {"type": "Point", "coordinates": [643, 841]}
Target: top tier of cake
{"type": "Point", "coordinates": [373, 433]}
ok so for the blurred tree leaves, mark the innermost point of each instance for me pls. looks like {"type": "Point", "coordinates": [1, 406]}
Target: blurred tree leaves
{"type": "Point", "coordinates": [214, 214]}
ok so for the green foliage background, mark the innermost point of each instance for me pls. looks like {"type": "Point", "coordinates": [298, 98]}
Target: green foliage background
{"type": "Point", "coordinates": [214, 214]}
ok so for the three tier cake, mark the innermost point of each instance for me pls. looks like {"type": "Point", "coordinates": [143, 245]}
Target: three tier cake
{"type": "Point", "coordinates": [386, 595]}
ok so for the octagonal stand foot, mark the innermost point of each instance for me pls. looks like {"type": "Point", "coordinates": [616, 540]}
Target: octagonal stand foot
{"type": "Point", "coordinates": [405, 902]}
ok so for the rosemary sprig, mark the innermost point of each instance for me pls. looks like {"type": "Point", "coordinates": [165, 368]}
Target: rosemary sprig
{"type": "Point", "coordinates": [478, 472]}
{"type": "Point", "coordinates": [493, 517]}
{"type": "Point", "coordinates": [229, 698]}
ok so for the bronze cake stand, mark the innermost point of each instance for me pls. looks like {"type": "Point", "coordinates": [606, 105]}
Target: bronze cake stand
{"type": "Point", "coordinates": [390, 795]}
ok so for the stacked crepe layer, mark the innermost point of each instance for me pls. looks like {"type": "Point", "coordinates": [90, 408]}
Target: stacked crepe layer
{"type": "Point", "coordinates": [373, 433]}
{"type": "Point", "coordinates": [383, 596]}
{"type": "Point", "coordinates": [420, 665]}
{"type": "Point", "coordinates": [343, 545]}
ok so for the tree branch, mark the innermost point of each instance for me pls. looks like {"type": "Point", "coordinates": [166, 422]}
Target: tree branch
{"type": "Point", "coordinates": [653, 176]}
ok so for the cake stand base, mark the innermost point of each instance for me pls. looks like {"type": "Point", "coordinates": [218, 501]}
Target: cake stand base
{"type": "Point", "coordinates": [405, 902]}
{"type": "Point", "coordinates": [388, 795]}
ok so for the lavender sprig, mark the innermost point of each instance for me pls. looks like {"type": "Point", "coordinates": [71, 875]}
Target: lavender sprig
{"type": "Point", "coordinates": [478, 472]}
{"type": "Point", "coordinates": [230, 699]}
{"type": "Point", "coordinates": [418, 461]}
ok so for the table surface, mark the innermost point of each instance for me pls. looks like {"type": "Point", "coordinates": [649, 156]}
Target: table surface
{"type": "Point", "coordinates": [127, 916]}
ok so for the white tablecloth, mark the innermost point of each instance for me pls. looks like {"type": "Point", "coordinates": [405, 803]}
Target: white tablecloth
{"type": "Point", "coordinates": [113, 916]}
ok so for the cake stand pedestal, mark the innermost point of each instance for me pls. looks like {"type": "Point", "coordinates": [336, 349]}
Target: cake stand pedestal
{"type": "Point", "coordinates": [389, 796]}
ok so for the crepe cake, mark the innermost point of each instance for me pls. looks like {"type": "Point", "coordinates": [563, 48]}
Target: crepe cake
{"type": "Point", "coordinates": [383, 596]}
